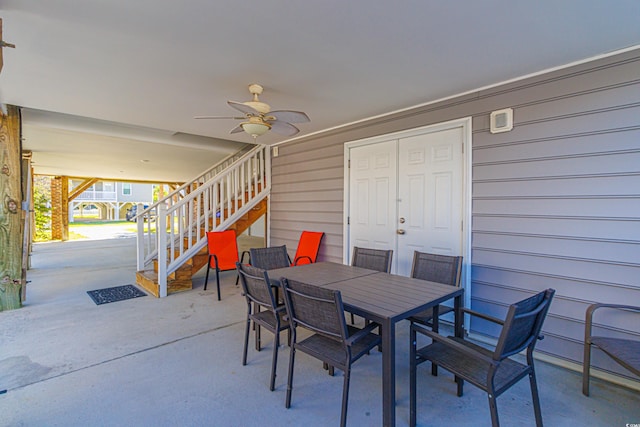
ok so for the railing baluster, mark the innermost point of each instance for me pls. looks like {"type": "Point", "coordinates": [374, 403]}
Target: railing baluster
{"type": "Point", "coordinates": [185, 213]}
{"type": "Point", "coordinates": [162, 251]}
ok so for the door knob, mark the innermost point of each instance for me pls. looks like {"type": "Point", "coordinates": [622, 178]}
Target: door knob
{"type": "Point", "coordinates": [401, 231]}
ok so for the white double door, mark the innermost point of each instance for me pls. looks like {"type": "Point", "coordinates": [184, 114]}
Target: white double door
{"type": "Point", "coordinates": [406, 194]}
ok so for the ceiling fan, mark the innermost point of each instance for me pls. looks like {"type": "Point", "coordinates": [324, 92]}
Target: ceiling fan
{"type": "Point", "coordinates": [259, 119]}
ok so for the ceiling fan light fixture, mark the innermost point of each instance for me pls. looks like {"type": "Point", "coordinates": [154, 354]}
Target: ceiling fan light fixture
{"type": "Point", "coordinates": [255, 129]}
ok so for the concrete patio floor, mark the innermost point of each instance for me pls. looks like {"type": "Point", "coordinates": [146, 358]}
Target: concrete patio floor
{"type": "Point", "coordinates": [176, 361]}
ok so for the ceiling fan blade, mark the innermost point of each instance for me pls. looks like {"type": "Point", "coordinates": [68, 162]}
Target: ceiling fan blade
{"type": "Point", "coordinates": [237, 129]}
{"type": "Point", "coordinates": [219, 117]}
{"type": "Point", "coordinates": [240, 106]}
{"type": "Point", "coordinates": [290, 116]}
{"type": "Point", "coordinates": [283, 128]}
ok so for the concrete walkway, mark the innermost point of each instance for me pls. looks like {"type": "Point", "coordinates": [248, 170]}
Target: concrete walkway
{"type": "Point", "coordinates": [176, 361]}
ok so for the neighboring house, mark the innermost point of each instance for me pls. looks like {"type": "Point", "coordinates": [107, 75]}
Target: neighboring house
{"type": "Point", "coordinates": [111, 198]}
{"type": "Point", "coordinates": [553, 203]}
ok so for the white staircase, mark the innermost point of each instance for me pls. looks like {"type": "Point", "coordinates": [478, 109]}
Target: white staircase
{"type": "Point", "coordinates": [215, 200]}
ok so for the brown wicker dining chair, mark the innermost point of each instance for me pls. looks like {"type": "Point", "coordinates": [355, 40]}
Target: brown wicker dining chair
{"type": "Point", "coordinates": [624, 351]}
{"type": "Point", "coordinates": [373, 259]}
{"type": "Point", "coordinates": [435, 268]}
{"type": "Point", "coordinates": [320, 311]}
{"type": "Point", "coordinates": [493, 371]}
{"type": "Point", "coordinates": [270, 258]}
{"type": "Point", "coordinates": [257, 289]}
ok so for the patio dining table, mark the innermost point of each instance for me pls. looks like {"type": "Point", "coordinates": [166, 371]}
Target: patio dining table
{"type": "Point", "coordinates": [382, 298]}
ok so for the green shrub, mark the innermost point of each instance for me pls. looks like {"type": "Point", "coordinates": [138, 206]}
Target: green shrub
{"type": "Point", "coordinates": [42, 207]}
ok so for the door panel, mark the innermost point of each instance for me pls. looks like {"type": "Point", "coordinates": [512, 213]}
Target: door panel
{"type": "Point", "coordinates": [406, 194]}
{"type": "Point", "coordinates": [430, 195]}
{"type": "Point", "coordinates": [373, 183]}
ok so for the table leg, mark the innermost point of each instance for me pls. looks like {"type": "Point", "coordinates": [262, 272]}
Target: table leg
{"type": "Point", "coordinates": [388, 374]}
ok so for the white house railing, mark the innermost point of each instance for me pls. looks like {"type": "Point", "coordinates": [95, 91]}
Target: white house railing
{"type": "Point", "coordinates": [223, 198]}
{"type": "Point", "coordinates": [97, 195]}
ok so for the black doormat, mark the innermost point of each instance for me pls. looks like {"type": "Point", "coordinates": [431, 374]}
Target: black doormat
{"type": "Point", "coordinates": [117, 293]}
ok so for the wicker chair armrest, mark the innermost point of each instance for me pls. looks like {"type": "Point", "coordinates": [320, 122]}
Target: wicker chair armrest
{"type": "Point", "coordinates": [362, 333]}
{"type": "Point", "coordinates": [448, 341]}
{"type": "Point", "coordinates": [482, 316]}
{"type": "Point", "coordinates": [248, 254]}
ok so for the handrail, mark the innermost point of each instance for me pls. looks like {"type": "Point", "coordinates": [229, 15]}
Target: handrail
{"type": "Point", "coordinates": [205, 176]}
{"type": "Point", "coordinates": [210, 205]}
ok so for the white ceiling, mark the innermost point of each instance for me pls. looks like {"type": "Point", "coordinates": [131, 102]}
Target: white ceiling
{"type": "Point", "coordinates": [82, 67]}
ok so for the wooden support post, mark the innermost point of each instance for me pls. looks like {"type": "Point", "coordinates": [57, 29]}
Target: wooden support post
{"type": "Point", "coordinates": [10, 211]}
{"type": "Point", "coordinates": [82, 187]}
{"type": "Point", "coordinates": [27, 217]}
{"type": "Point", "coordinates": [60, 208]}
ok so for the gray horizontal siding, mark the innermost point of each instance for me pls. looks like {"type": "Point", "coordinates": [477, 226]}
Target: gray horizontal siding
{"type": "Point", "coordinates": [307, 194]}
{"type": "Point", "coordinates": [555, 201]}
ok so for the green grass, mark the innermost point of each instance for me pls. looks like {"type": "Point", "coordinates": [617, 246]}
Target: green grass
{"type": "Point", "coordinates": [79, 229]}
{"type": "Point", "coordinates": [126, 225]}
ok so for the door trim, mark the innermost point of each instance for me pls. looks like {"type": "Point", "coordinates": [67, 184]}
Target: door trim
{"type": "Point", "coordinates": [466, 125]}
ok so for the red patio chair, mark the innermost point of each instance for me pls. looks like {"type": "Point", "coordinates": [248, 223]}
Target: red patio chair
{"type": "Point", "coordinates": [223, 254]}
{"type": "Point", "coordinates": [308, 247]}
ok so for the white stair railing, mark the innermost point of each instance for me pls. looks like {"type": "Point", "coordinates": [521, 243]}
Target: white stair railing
{"type": "Point", "coordinates": [226, 196]}
{"type": "Point", "coordinates": [176, 195]}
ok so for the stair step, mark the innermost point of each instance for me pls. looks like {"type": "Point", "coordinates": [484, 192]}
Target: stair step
{"type": "Point", "coordinates": [180, 280]}
{"type": "Point", "coordinates": [148, 280]}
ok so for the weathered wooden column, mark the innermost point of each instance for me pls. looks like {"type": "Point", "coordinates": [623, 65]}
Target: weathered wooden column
{"type": "Point", "coordinates": [10, 211]}
{"type": "Point", "coordinates": [60, 208]}
{"type": "Point", "coordinates": [28, 217]}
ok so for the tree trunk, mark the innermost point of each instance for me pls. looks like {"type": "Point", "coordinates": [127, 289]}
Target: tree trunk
{"type": "Point", "coordinates": [10, 211]}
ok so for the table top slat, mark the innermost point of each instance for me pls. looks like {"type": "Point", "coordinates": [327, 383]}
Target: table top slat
{"type": "Point", "coordinates": [381, 296]}
{"type": "Point", "coordinates": [320, 273]}
{"type": "Point", "coordinates": [390, 296]}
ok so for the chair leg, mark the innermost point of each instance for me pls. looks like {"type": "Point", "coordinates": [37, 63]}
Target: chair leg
{"type": "Point", "coordinates": [274, 361]}
{"type": "Point", "coordinates": [460, 384]}
{"type": "Point", "coordinates": [586, 367]}
{"type": "Point", "coordinates": [218, 282]}
{"type": "Point", "coordinates": [292, 355]}
{"type": "Point", "coordinates": [206, 277]}
{"type": "Point", "coordinates": [258, 337]}
{"type": "Point", "coordinates": [345, 396]}
{"type": "Point", "coordinates": [246, 341]}
{"type": "Point", "coordinates": [353, 319]}
{"type": "Point", "coordinates": [435, 328]}
{"type": "Point", "coordinates": [535, 397]}
{"type": "Point", "coordinates": [237, 279]}
{"type": "Point", "coordinates": [493, 408]}
{"type": "Point", "coordinates": [412, 377]}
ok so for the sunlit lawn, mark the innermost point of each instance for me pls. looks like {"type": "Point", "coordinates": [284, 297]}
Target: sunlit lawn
{"type": "Point", "coordinates": [81, 228]}
{"type": "Point", "coordinates": [78, 229]}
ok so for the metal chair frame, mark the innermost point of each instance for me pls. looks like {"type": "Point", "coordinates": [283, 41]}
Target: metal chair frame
{"type": "Point", "coordinates": [493, 371]}
{"type": "Point", "coordinates": [257, 288]}
{"type": "Point", "coordinates": [320, 311]}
